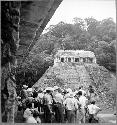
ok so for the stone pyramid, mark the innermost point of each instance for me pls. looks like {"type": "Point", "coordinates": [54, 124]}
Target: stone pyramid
{"type": "Point", "coordinates": [73, 76]}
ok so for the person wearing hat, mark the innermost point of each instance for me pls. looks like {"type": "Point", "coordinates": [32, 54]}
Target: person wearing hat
{"type": "Point", "coordinates": [24, 96]}
{"type": "Point", "coordinates": [30, 95]}
{"type": "Point", "coordinates": [30, 92]}
{"type": "Point", "coordinates": [68, 91]}
{"type": "Point", "coordinates": [35, 92]}
{"type": "Point", "coordinates": [58, 107]}
{"type": "Point", "coordinates": [93, 111]}
{"type": "Point", "coordinates": [40, 99]}
{"type": "Point", "coordinates": [91, 93]}
{"type": "Point", "coordinates": [47, 105]}
{"type": "Point", "coordinates": [35, 96]}
{"type": "Point", "coordinates": [23, 93]}
{"type": "Point", "coordinates": [83, 101]}
{"type": "Point", "coordinates": [71, 106]}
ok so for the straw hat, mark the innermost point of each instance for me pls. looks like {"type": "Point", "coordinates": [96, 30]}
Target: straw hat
{"type": "Point", "coordinates": [55, 87]}
{"type": "Point", "coordinates": [49, 88]}
{"type": "Point", "coordinates": [29, 89]}
{"type": "Point", "coordinates": [25, 86]}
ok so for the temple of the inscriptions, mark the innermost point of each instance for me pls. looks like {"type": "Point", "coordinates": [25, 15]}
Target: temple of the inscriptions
{"type": "Point", "coordinates": [74, 56]}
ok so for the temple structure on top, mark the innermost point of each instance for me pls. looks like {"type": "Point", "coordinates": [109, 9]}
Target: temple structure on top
{"type": "Point", "coordinates": [74, 56]}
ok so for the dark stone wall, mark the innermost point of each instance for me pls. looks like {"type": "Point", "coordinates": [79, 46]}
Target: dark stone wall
{"type": "Point", "coordinates": [22, 22]}
{"type": "Point", "coordinates": [10, 17]}
{"type": "Point", "coordinates": [34, 17]}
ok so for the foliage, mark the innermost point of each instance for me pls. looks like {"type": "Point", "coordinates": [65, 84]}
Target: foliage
{"type": "Point", "coordinates": [32, 69]}
{"type": "Point", "coordinates": [87, 34]}
{"type": "Point", "coordinates": [105, 87]}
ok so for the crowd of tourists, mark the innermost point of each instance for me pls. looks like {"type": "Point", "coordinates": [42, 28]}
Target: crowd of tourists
{"type": "Point", "coordinates": [57, 105]}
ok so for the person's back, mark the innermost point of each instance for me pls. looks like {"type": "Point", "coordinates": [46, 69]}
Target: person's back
{"type": "Point", "coordinates": [93, 111]}
{"type": "Point", "coordinates": [47, 106]}
{"type": "Point", "coordinates": [71, 103]}
{"type": "Point", "coordinates": [59, 97]}
{"type": "Point", "coordinates": [47, 99]}
{"type": "Point", "coordinates": [83, 101]}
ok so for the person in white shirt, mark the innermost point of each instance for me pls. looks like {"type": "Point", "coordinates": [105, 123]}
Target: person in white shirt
{"type": "Point", "coordinates": [71, 105]}
{"type": "Point", "coordinates": [58, 106]}
{"type": "Point", "coordinates": [83, 103]}
{"type": "Point", "coordinates": [48, 101]}
{"type": "Point", "coordinates": [40, 100]}
{"type": "Point", "coordinates": [93, 111]}
{"type": "Point", "coordinates": [58, 96]}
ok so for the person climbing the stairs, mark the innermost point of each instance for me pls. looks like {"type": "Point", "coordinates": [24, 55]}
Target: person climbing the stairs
{"type": "Point", "coordinates": [91, 93]}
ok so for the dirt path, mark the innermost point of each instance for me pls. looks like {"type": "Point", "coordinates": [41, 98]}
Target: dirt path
{"type": "Point", "coordinates": [108, 118]}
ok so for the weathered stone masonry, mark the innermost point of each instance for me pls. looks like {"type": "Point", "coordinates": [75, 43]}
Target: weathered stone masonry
{"type": "Point", "coordinates": [22, 22]}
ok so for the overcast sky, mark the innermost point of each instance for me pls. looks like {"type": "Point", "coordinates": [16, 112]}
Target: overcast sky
{"type": "Point", "coordinates": [68, 9]}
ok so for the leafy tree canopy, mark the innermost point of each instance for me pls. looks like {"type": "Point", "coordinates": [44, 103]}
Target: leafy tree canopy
{"type": "Point", "coordinates": [87, 34]}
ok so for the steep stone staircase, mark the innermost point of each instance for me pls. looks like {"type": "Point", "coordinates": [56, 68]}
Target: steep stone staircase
{"type": "Point", "coordinates": [72, 76]}
{"type": "Point", "coordinates": [83, 75]}
{"type": "Point", "coordinates": [69, 75]}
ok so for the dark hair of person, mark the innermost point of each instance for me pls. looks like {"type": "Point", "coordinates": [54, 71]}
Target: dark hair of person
{"type": "Point", "coordinates": [80, 93]}
{"type": "Point", "coordinates": [35, 114]}
{"type": "Point", "coordinates": [48, 91]}
{"type": "Point", "coordinates": [90, 86]}
{"type": "Point", "coordinates": [40, 91]}
{"type": "Point", "coordinates": [19, 108]}
{"type": "Point", "coordinates": [35, 94]}
{"type": "Point", "coordinates": [80, 87]}
{"type": "Point", "coordinates": [93, 102]}
{"type": "Point", "coordinates": [64, 92]}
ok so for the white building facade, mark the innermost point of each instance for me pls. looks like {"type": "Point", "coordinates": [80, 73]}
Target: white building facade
{"type": "Point", "coordinates": [74, 56]}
